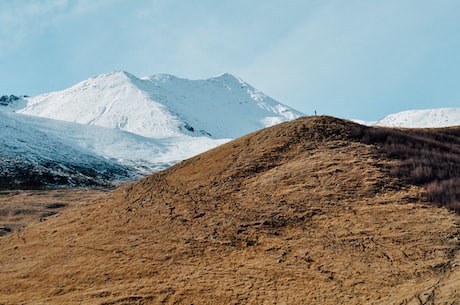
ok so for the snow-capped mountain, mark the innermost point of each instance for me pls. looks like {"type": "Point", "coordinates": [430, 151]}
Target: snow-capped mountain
{"type": "Point", "coordinates": [118, 123]}
{"type": "Point", "coordinates": [143, 153]}
{"type": "Point", "coordinates": [31, 157]}
{"type": "Point", "coordinates": [426, 118]}
{"type": "Point", "coordinates": [162, 105]}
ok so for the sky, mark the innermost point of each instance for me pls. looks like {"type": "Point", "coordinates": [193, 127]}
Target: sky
{"type": "Point", "coordinates": [352, 59]}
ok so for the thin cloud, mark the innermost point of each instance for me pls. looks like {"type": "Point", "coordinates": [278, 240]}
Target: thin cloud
{"type": "Point", "coordinates": [20, 20]}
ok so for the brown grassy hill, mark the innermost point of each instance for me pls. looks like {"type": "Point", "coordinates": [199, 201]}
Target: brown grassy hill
{"type": "Point", "coordinates": [314, 211]}
{"type": "Point", "coordinates": [19, 208]}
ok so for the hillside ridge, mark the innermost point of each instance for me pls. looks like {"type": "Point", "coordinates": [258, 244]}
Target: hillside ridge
{"type": "Point", "coordinates": [307, 211]}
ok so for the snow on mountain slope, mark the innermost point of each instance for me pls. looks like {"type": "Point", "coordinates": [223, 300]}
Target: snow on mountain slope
{"type": "Point", "coordinates": [222, 106]}
{"type": "Point", "coordinates": [31, 157]}
{"type": "Point", "coordinates": [427, 118]}
{"type": "Point", "coordinates": [164, 106]}
{"type": "Point", "coordinates": [144, 154]}
{"type": "Point", "coordinates": [122, 122]}
{"type": "Point", "coordinates": [109, 100]}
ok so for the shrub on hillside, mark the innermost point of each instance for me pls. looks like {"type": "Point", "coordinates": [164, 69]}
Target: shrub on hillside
{"type": "Point", "coordinates": [429, 157]}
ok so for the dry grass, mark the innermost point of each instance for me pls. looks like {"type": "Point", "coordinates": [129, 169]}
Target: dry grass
{"type": "Point", "coordinates": [19, 208]}
{"type": "Point", "coordinates": [301, 213]}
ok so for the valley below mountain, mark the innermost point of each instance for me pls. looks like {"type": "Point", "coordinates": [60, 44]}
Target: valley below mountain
{"type": "Point", "coordinates": [317, 210]}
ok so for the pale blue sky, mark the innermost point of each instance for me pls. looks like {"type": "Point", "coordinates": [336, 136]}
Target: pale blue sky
{"type": "Point", "coordinates": [357, 59]}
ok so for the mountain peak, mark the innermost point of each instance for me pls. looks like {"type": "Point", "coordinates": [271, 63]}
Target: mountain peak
{"type": "Point", "coordinates": [164, 105]}
{"type": "Point", "coordinates": [226, 76]}
{"type": "Point", "coordinates": [115, 77]}
{"type": "Point", "coordinates": [161, 77]}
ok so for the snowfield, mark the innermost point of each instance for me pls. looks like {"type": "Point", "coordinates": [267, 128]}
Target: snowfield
{"type": "Point", "coordinates": [426, 118]}
{"type": "Point", "coordinates": [30, 156]}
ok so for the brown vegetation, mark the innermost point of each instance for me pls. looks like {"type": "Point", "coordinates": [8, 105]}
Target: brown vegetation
{"type": "Point", "coordinates": [305, 212]}
{"type": "Point", "coordinates": [428, 157]}
{"type": "Point", "coordinates": [19, 208]}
